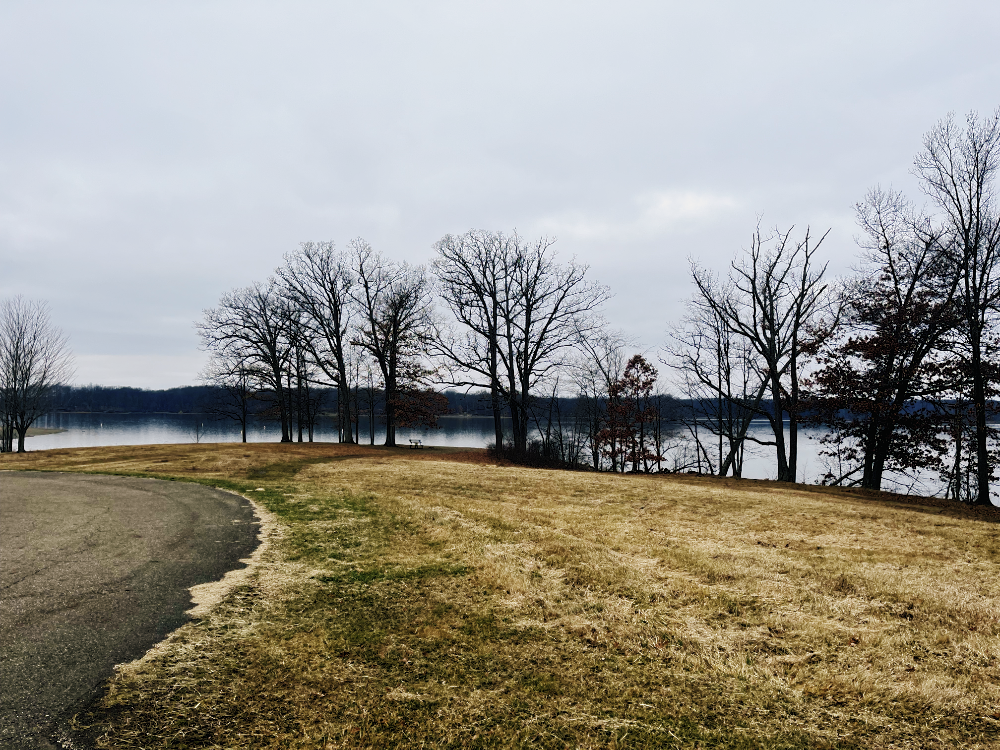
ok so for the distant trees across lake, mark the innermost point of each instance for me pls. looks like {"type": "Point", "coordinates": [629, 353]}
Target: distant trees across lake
{"type": "Point", "coordinates": [99, 398]}
{"type": "Point", "coordinates": [201, 399]}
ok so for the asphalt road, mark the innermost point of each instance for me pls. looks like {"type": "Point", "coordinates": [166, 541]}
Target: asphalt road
{"type": "Point", "coordinates": [94, 570]}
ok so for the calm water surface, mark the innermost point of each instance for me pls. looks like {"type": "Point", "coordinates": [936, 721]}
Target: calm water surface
{"type": "Point", "coordinates": [86, 430]}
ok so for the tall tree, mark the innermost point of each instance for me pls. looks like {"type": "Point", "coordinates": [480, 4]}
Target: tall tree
{"type": "Point", "coordinates": [301, 371]}
{"type": "Point", "coordinates": [318, 280]}
{"type": "Point", "coordinates": [959, 467]}
{"type": "Point", "coordinates": [368, 397]}
{"type": "Point", "coordinates": [599, 365]}
{"type": "Point", "coordinates": [723, 379]}
{"type": "Point", "coordinates": [631, 415]}
{"type": "Point", "coordinates": [522, 310]}
{"type": "Point", "coordinates": [235, 387]}
{"type": "Point", "coordinates": [396, 323]}
{"type": "Point", "coordinates": [776, 294]}
{"type": "Point", "coordinates": [958, 170]}
{"type": "Point", "coordinates": [473, 286]}
{"type": "Point", "coordinates": [886, 357]}
{"type": "Point", "coordinates": [547, 308]}
{"type": "Point", "coordinates": [34, 359]}
{"type": "Point", "coordinates": [254, 322]}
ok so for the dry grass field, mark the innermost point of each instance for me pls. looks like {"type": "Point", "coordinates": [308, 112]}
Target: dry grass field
{"type": "Point", "coordinates": [434, 599]}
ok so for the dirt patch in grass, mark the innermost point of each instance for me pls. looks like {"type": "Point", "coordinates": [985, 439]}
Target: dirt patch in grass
{"type": "Point", "coordinates": [442, 601]}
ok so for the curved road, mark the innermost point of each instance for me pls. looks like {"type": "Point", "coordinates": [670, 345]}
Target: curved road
{"type": "Point", "coordinates": [94, 570]}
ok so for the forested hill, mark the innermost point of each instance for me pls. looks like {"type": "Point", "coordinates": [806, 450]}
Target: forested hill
{"type": "Point", "coordinates": [99, 398]}
{"type": "Point", "coordinates": [194, 398]}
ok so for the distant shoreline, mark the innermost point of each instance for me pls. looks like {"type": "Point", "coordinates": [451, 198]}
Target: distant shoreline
{"type": "Point", "coordinates": [331, 415]}
{"type": "Point", "coordinates": [35, 431]}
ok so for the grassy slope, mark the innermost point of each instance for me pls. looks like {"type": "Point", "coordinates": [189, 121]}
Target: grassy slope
{"type": "Point", "coordinates": [433, 599]}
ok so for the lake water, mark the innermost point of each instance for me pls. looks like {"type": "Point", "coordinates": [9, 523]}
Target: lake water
{"type": "Point", "coordinates": [85, 430]}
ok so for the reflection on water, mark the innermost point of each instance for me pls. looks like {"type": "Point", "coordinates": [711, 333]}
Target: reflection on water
{"type": "Point", "coordinates": [84, 430]}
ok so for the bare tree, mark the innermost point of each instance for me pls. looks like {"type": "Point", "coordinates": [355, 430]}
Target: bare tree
{"type": "Point", "coordinates": [319, 280]}
{"type": "Point", "coordinates": [253, 322]}
{"type": "Point", "coordinates": [721, 375]}
{"type": "Point", "coordinates": [367, 395]}
{"type": "Point", "coordinates": [520, 310]}
{"type": "Point", "coordinates": [564, 432]}
{"type": "Point", "coordinates": [34, 359]}
{"type": "Point", "coordinates": [776, 293]}
{"type": "Point", "coordinates": [301, 371]}
{"type": "Point", "coordinates": [396, 324]}
{"type": "Point", "coordinates": [235, 387]}
{"type": "Point", "coordinates": [958, 170]}
{"type": "Point", "coordinates": [548, 307]}
{"type": "Point", "coordinates": [959, 469]}
{"type": "Point", "coordinates": [598, 367]}
{"type": "Point", "coordinates": [473, 285]}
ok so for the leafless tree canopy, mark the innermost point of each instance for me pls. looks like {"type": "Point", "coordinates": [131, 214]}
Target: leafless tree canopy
{"type": "Point", "coordinates": [769, 303]}
{"type": "Point", "coordinates": [958, 171]}
{"type": "Point", "coordinates": [721, 375]}
{"type": "Point", "coordinates": [518, 311]}
{"type": "Point", "coordinates": [34, 357]}
{"type": "Point", "coordinates": [395, 324]}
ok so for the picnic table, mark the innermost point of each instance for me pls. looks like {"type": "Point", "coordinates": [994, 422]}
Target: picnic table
{"type": "Point", "coordinates": [415, 443]}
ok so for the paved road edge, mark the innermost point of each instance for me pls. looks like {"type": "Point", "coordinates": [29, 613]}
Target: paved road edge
{"type": "Point", "coordinates": [207, 596]}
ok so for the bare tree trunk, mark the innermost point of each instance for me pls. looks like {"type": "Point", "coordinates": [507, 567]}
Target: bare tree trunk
{"type": "Point", "coordinates": [958, 169]}
{"type": "Point", "coordinates": [34, 358]}
{"type": "Point", "coordinates": [768, 302]}
{"type": "Point", "coordinates": [982, 435]}
{"type": "Point", "coordinates": [396, 328]}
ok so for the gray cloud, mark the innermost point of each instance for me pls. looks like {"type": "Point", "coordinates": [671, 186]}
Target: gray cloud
{"type": "Point", "coordinates": [156, 155]}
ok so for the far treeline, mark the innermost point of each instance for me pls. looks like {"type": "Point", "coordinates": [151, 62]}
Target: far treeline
{"type": "Point", "coordinates": [900, 363]}
{"type": "Point", "coordinates": [206, 399]}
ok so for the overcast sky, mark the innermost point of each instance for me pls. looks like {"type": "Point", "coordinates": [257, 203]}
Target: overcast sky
{"type": "Point", "coordinates": [155, 155]}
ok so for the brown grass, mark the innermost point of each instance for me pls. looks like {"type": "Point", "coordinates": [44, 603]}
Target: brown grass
{"type": "Point", "coordinates": [431, 598]}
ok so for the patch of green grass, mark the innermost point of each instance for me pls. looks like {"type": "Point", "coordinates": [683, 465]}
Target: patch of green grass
{"type": "Point", "coordinates": [288, 469]}
{"type": "Point", "coordinates": [420, 604]}
{"type": "Point", "coordinates": [390, 574]}
{"type": "Point", "coordinates": [399, 657]}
